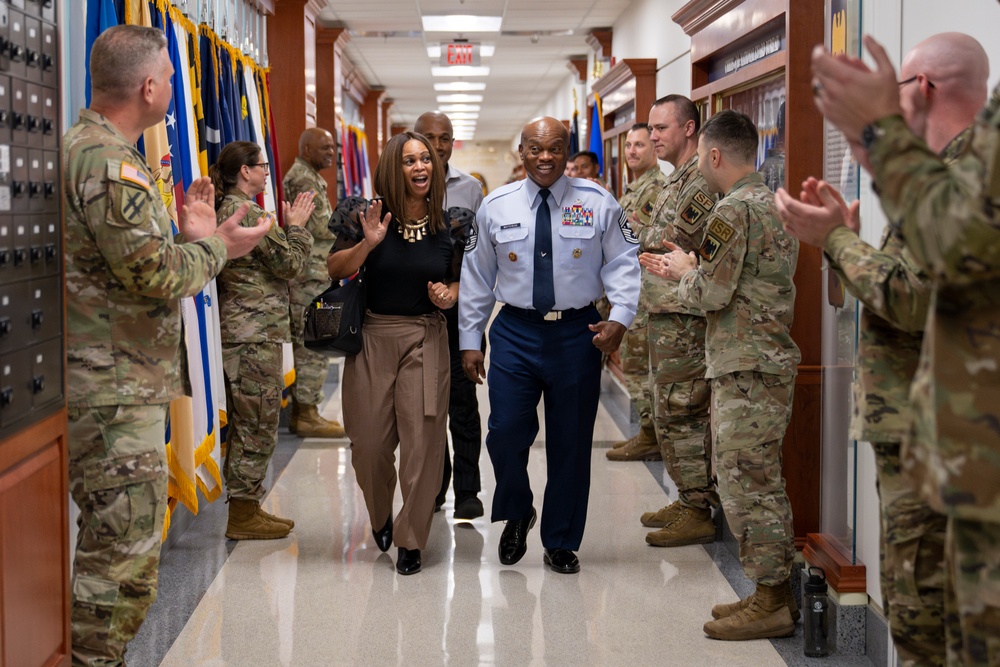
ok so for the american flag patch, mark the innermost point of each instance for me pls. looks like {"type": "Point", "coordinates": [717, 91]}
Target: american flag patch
{"type": "Point", "coordinates": [133, 174]}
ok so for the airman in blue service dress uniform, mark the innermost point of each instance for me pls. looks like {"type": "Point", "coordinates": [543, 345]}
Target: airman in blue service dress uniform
{"type": "Point", "coordinates": [547, 247]}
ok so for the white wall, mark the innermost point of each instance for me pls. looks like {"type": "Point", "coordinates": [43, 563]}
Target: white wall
{"type": "Point", "coordinates": [493, 159]}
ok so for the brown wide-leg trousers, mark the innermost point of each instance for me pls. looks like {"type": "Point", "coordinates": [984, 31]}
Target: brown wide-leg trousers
{"type": "Point", "coordinates": [396, 393]}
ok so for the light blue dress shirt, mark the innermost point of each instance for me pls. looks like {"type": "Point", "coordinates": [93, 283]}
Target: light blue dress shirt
{"type": "Point", "coordinates": [594, 252]}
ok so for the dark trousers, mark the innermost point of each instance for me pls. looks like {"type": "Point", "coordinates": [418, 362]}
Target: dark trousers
{"type": "Point", "coordinates": [558, 361]}
{"type": "Point", "coordinates": [463, 422]}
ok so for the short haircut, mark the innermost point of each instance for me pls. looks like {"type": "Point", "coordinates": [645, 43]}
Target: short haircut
{"type": "Point", "coordinates": [639, 126]}
{"type": "Point", "coordinates": [734, 134]}
{"type": "Point", "coordinates": [684, 108]}
{"type": "Point", "coordinates": [123, 57]}
{"type": "Point", "coordinates": [590, 155]}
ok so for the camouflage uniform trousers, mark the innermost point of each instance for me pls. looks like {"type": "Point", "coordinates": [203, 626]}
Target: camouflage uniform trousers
{"type": "Point", "coordinates": [750, 412]}
{"type": "Point", "coordinates": [118, 479]}
{"type": "Point", "coordinates": [311, 367]}
{"type": "Point", "coordinates": [634, 353]}
{"type": "Point", "coordinates": [681, 395]}
{"type": "Point", "coordinates": [254, 384]}
{"type": "Point", "coordinates": [911, 563]}
{"type": "Point", "coordinates": [972, 592]}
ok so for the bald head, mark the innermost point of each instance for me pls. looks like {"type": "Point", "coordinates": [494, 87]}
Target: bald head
{"type": "Point", "coordinates": [317, 147]}
{"type": "Point", "coordinates": [545, 125]}
{"type": "Point", "coordinates": [945, 86]}
{"type": "Point", "coordinates": [543, 150]}
{"type": "Point", "coordinates": [437, 128]}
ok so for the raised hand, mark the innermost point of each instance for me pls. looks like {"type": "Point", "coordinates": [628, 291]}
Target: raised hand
{"type": "Point", "coordinates": [196, 219]}
{"type": "Point", "coordinates": [239, 239]}
{"type": "Point", "coordinates": [373, 224]}
{"type": "Point", "coordinates": [297, 214]}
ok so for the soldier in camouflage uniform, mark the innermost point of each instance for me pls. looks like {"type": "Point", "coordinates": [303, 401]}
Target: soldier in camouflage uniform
{"type": "Point", "coordinates": [317, 151]}
{"type": "Point", "coordinates": [743, 281]}
{"type": "Point", "coordinates": [124, 276]}
{"type": "Point", "coordinates": [896, 293]}
{"type": "Point", "coordinates": [637, 202]}
{"type": "Point", "coordinates": [677, 334]}
{"type": "Point", "coordinates": [253, 314]}
{"type": "Point", "coordinates": [948, 219]}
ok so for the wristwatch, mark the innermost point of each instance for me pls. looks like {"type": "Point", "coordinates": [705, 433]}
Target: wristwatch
{"type": "Point", "coordinates": [872, 132]}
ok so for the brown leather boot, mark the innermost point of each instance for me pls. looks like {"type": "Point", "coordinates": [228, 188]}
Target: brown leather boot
{"type": "Point", "coordinates": [309, 424]}
{"type": "Point", "coordinates": [642, 447]}
{"type": "Point", "coordinates": [662, 516]}
{"type": "Point", "coordinates": [764, 617]}
{"type": "Point", "coordinates": [730, 608]}
{"type": "Point", "coordinates": [278, 519]}
{"type": "Point", "coordinates": [246, 522]}
{"type": "Point", "coordinates": [692, 525]}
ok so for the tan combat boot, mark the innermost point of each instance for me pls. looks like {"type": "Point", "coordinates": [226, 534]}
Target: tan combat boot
{"type": "Point", "coordinates": [246, 522]}
{"type": "Point", "coordinates": [309, 424]}
{"type": "Point", "coordinates": [730, 608]}
{"type": "Point", "coordinates": [642, 447]}
{"type": "Point", "coordinates": [692, 525]}
{"type": "Point", "coordinates": [764, 617]}
{"type": "Point", "coordinates": [278, 519]}
{"type": "Point", "coordinates": [662, 516]}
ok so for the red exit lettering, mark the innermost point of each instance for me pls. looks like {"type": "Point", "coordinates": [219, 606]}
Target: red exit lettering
{"type": "Point", "coordinates": [459, 54]}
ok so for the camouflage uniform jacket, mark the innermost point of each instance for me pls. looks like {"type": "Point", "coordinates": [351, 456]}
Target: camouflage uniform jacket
{"type": "Point", "coordinates": [639, 197]}
{"type": "Point", "coordinates": [679, 216]}
{"type": "Point", "coordinates": [253, 290]}
{"type": "Point", "coordinates": [124, 273]}
{"type": "Point", "coordinates": [303, 178]}
{"type": "Point", "coordinates": [896, 293]}
{"type": "Point", "coordinates": [949, 218]}
{"type": "Point", "coordinates": [744, 283]}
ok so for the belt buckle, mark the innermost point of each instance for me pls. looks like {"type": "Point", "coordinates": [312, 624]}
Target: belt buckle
{"type": "Point", "coordinates": [552, 316]}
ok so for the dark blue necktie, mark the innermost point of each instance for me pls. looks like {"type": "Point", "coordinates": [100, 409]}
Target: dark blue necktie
{"type": "Point", "coordinates": [543, 293]}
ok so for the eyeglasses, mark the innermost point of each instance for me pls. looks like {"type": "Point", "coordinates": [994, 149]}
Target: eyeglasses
{"type": "Point", "coordinates": [265, 165]}
{"type": "Point", "coordinates": [911, 80]}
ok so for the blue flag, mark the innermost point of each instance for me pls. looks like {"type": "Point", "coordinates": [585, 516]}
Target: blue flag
{"type": "Point", "coordinates": [101, 15]}
{"type": "Point", "coordinates": [597, 135]}
{"type": "Point", "coordinates": [209, 97]}
{"type": "Point", "coordinates": [181, 148]}
{"type": "Point", "coordinates": [227, 97]}
{"type": "Point", "coordinates": [246, 127]}
{"type": "Point", "coordinates": [574, 134]}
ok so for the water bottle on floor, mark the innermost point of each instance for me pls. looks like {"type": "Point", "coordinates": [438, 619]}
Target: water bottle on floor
{"type": "Point", "coordinates": [815, 606]}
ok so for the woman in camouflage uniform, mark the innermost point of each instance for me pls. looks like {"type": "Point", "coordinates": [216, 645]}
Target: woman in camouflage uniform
{"type": "Point", "coordinates": [253, 305]}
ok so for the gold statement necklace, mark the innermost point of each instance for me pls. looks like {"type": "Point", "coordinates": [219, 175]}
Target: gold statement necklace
{"type": "Point", "coordinates": [414, 231]}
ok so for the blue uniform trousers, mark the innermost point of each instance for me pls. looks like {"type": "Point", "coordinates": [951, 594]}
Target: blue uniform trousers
{"type": "Point", "coordinates": [531, 358]}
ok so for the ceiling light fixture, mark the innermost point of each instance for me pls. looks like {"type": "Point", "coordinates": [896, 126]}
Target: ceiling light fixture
{"type": "Point", "coordinates": [485, 51]}
{"type": "Point", "coordinates": [463, 115]}
{"type": "Point", "coordinates": [457, 86]}
{"type": "Point", "coordinates": [461, 23]}
{"type": "Point", "coordinates": [448, 108]}
{"type": "Point", "coordinates": [460, 70]}
{"type": "Point", "coordinates": [459, 98]}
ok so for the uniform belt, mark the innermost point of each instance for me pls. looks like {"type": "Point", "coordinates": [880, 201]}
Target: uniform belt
{"type": "Point", "coordinates": [551, 316]}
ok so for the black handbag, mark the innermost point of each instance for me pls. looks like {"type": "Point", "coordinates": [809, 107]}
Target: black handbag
{"type": "Point", "coordinates": [334, 318]}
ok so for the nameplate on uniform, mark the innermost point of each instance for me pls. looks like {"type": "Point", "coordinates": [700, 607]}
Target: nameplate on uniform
{"type": "Point", "coordinates": [577, 214]}
{"type": "Point", "coordinates": [514, 225]}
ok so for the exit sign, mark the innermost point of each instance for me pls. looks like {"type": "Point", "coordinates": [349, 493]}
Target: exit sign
{"type": "Point", "coordinates": [455, 54]}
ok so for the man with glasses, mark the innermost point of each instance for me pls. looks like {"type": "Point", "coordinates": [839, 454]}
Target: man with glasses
{"type": "Point", "coordinates": [317, 151]}
{"type": "Point", "coordinates": [937, 270]}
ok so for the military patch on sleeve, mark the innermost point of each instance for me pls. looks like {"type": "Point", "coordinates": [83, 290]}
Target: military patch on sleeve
{"type": "Point", "coordinates": [626, 229]}
{"type": "Point", "coordinates": [470, 244]}
{"type": "Point", "coordinates": [692, 214]}
{"type": "Point", "coordinates": [133, 174]}
{"type": "Point", "coordinates": [133, 204]}
{"type": "Point", "coordinates": [700, 204]}
{"type": "Point", "coordinates": [648, 208]}
{"type": "Point", "coordinates": [721, 230]}
{"type": "Point", "coordinates": [709, 247]}
{"type": "Point", "coordinates": [703, 200]}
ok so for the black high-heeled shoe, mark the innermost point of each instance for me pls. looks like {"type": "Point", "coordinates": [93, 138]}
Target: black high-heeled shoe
{"type": "Point", "coordinates": [383, 537]}
{"type": "Point", "coordinates": [408, 561]}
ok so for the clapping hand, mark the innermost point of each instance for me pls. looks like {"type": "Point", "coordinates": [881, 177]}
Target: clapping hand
{"type": "Point", "coordinates": [819, 210]}
{"type": "Point", "coordinates": [298, 213]}
{"type": "Point", "coordinates": [196, 218]}
{"type": "Point", "coordinates": [672, 265]}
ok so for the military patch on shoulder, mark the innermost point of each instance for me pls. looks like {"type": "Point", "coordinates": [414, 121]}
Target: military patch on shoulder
{"type": "Point", "coordinates": [692, 214]}
{"type": "Point", "coordinates": [626, 229]}
{"type": "Point", "coordinates": [721, 230]}
{"type": "Point", "coordinates": [132, 205]}
{"type": "Point", "coordinates": [470, 244]}
{"type": "Point", "coordinates": [133, 174]}
{"type": "Point", "coordinates": [703, 199]}
{"type": "Point", "coordinates": [700, 204]}
{"type": "Point", "coordinates": [648, 208]}
{"type": "Point", "coordinates": [709, 247]}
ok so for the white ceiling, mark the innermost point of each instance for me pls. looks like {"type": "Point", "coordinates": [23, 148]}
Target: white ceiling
{"type": "Point", "coordinates": [390, 48]}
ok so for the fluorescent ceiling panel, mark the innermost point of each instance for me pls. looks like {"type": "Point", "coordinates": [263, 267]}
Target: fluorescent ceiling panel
{"type": "Point", "coordinates": [460, 70]}
{"type": "Point", "coordinates": [461, 23]}
{"type": "Point", "coordinates": [448, 108]}
{"type": "Point", "coordinates": [456, 86]}
{"type": "Point", "coordinates": [460, 98]}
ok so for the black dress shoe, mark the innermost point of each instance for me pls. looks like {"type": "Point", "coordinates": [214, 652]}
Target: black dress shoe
{"type": "Point", "coordinates": [383, 538]}
{"type": "Point", "coordinates": [408, 561]}
{"type": "Point", "coordinates": [562, 561]}
{"type": "Point", "coordinates": [469, 508]}
{"type": "Point", "coordinates": [514, 540]}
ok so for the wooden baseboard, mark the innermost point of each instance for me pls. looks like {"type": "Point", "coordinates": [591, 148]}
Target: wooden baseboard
{"type": "Point", "coordinates": [843, 575]}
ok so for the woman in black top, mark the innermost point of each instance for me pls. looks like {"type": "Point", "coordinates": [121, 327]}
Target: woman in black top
{"type": "Point", "coordinates": [396, 388]}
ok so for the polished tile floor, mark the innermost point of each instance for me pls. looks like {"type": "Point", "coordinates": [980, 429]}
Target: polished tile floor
{"type": "Point", "coordinates": [326, 596]}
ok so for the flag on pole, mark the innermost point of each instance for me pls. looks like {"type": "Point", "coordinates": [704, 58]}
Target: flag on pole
{"type": "Point", "coordinates": [210, 93]}
{"type": "Point", "coordinates": [574, 134]}
{"type": "Point", "coordinates": [596, 134]}
{"type": "Point", "coordinates": [101, 15]}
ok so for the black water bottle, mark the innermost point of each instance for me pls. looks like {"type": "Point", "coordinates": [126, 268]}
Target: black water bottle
{"type": "Point", "coordinates": [815, 606]}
